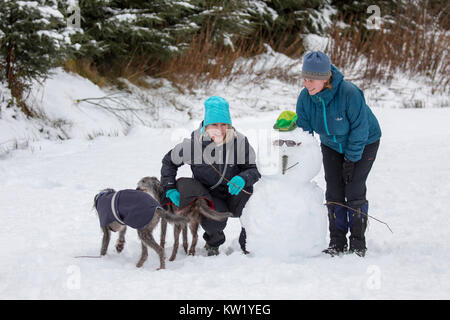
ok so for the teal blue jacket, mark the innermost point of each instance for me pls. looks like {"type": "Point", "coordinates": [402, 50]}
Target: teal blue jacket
{"type": "Point", "coordinates": [340, 116]}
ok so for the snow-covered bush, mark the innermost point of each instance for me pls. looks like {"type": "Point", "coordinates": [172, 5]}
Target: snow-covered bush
{"type": "Point", "coordinates": [32, 38]}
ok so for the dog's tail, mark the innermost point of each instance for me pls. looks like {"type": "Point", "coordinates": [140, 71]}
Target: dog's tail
{"type": "Point", "coordinates": [172, 218]}
{"type": "Point", "coordinates": [207, 212]}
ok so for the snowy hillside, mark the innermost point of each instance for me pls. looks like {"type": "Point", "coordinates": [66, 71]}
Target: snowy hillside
{"type": "Point", "coordinates": [70, 106]}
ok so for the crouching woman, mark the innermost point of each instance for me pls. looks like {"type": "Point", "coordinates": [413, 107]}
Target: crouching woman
{"type": "Point", "coordinates": [223, 161]}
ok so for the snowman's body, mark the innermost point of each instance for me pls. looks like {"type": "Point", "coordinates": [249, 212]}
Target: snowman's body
{"type": "Point", "coordinates": [285, 215]}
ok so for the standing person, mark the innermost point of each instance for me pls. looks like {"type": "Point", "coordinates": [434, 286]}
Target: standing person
{"type": "Point", "coordinates": [223, 161]}
{"type": "Point", "coordinates": [350, 135]}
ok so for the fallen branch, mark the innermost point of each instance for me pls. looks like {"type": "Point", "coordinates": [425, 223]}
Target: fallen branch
{"type": "Point", "coordinates": [358, 211]}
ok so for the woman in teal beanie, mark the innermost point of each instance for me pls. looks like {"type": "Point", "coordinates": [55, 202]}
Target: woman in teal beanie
{"type": "Point", "coordinates": [350, 135]}
{"type": "Point", "coordinates": [222, 160]}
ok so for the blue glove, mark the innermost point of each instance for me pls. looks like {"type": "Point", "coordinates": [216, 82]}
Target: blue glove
{"type": "Point", "coordinates": [174, 195]}
{"type": "Point", "coordinates": [235, 185]}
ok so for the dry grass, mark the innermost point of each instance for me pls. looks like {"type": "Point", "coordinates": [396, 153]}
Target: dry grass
{"type": "Point", "coordinates": [87, 69]}
{"type": "Point", "coordinates": [204, 60]}
{"type": "Point", "coordinates": [414, 45]}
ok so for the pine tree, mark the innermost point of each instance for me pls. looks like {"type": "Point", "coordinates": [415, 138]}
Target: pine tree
{"type": "Point", "coordinates": [32, 38]}
{"type": "Point", "coordinates": [116, 32]}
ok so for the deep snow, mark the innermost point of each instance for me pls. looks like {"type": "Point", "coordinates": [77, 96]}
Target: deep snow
{"type": "Point", "coordinates": [46, 200]}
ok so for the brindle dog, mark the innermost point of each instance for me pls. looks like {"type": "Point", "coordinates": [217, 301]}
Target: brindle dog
{"type": "Point", "coordinates": [194, 212]}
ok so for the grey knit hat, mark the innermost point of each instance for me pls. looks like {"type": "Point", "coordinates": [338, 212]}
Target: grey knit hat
{"type": "Point", "coordinates": [317, 66]}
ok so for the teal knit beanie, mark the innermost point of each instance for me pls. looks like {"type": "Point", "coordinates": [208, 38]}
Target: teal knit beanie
{"type": "Point", "coordinates": [217, 110]}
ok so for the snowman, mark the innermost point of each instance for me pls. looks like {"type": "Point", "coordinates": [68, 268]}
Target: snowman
{"type": "Point", "coordinates": [285, 217]}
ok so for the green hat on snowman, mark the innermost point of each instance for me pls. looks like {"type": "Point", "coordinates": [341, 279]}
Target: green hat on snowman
{"type": "Point", "coordinates": [286, 121]}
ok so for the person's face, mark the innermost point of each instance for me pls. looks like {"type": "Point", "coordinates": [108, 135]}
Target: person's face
{"type": "Point", "coordinates": [217, 131]}
{"type": "Point", "coordinates": [314, 86]}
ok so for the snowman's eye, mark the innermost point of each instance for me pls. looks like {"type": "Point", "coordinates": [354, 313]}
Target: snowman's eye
{"type": "Point", "coordinates": [289, 143]}
{"type": "Point", "coordinates": [278, 143]}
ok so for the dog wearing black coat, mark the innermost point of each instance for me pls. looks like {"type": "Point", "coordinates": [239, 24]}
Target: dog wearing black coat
{"type": "Point", "coordinates": [136, 209]}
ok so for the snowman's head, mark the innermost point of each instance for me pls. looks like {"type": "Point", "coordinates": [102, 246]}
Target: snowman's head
{"type": "Point", "coordinates": [293, 153]}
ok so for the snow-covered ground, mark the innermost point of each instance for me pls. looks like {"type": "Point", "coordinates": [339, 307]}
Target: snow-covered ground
{"type": "Point", "coordinates": [47, 219]}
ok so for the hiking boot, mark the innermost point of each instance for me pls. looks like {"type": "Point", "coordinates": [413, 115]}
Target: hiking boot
{"type": "Point", "coordinates": [335, 251]}
{"type": "Point", "coordinates": [357, 229]}
{"type": "Point", "coordinates": [211, 251]}
{"type": "Point", "coordinates": [338, 239]}
{"type": "Point", "coordinates": [358, 252]}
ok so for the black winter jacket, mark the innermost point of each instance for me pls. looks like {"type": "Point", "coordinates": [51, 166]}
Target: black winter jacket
{"type": "Point", "coordinates": [236, 157]}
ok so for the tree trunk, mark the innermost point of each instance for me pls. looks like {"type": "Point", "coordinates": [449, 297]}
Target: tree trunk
{"type": "Point", "coordinates": [14, 84]}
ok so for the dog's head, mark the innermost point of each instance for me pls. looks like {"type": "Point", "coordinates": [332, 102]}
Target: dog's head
{"type": "Point", "coordinates": [98, 195]}
{"type": "Point", "coordinates": [152, 186]}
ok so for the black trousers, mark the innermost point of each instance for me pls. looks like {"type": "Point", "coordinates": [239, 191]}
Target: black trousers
{"type": "Point", "coordinates": [354, 192]}
{"type": "Point", "coordinates": [223, 201]}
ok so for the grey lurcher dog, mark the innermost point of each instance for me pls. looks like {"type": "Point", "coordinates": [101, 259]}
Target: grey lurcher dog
{"type": "Point", "coordinates": [137, 209]}
{"type": "Point", "coordinates": [194, 211]}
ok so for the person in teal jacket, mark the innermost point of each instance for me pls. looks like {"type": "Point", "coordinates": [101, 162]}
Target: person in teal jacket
{"type": "Point", "coordinates": [350, 136]}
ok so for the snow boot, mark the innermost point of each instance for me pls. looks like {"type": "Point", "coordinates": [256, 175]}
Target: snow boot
{"type": "Point", "coordinates": [337, 218]}
{"type": "Point", "coordinates": [358, 225]}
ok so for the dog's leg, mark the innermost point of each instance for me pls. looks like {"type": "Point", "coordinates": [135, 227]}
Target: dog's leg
{"type": "Point", "coordinates": [185, 239]}
{"type": "Point", "coordinates": [176, 242]}
{"type": "Point", "coordinates": [145, 234]}
{"type": "Point", "coordinates": [144, 255]}
{"type": "Point", "coordinates": [120, 244]}
{"type": "Point", "coordinates": [193, 226]}
{"type": "Point", "coordinates": [105, 240]}
{"type": "Point", "coordinates": [162, 240]}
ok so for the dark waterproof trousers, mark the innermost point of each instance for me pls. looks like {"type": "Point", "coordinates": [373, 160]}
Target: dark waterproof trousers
{"type": "Point", "coordinates": [223, 202]}
{"type": "Point", "coordinates": [352, 194]}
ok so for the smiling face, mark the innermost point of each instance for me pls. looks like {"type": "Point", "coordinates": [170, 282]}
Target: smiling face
{"type": "Point", "coordinates": [314, 86]}
{"type": "Point", "coordinates": [217, 131]}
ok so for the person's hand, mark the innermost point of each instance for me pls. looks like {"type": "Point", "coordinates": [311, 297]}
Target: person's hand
{"type": "Point", "coordinates": [174, 195]}
{"type": "Point", "coordinates": [348, 167]}
{"type": "Point", "coordinates": [235, 185]}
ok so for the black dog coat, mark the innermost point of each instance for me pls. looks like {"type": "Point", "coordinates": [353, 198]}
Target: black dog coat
{"type": "Point", "coordinates": [133, 208]}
